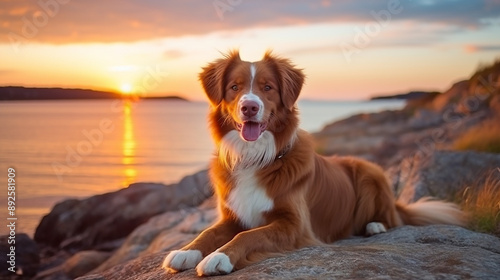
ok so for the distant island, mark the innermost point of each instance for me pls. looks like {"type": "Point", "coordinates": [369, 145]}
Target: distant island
{"type": "Point", "coordinates": [28, 93]}
{"type": "Point", "coordinates": [407, 96]}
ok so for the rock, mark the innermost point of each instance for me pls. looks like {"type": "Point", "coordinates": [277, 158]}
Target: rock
{"type": "Point", "coordinates": [52, 257]}
{"type": "Point", "coordinates": [360, 134]}
{"type": "Point", "coordinates": [77, 265]}
{"type": "Point", "coordinates": [388, 137]}
{"type": "Point", "coordinates": [164, 232]}
{"type": "Point", "coordinates": [83, 262]}
{"type": "Point", "coordinates": [442, 252]}
{"type": "Point", "coordinates": [424, 118]}
{"type": "Point", "coordinates": [51, 264]}
{"type": "Point", "coordinates": [103, 219]}
{"type": "Point", "coordinates": [25, 256]}
{"type": "Point", "coordinates": [389, 142]}
{"type": "Point", "coordinates": [495, 104]}
{"type": "Point", "coordinates": [442, 174]}
{"type": "Point", "coordinates": [450, 97]}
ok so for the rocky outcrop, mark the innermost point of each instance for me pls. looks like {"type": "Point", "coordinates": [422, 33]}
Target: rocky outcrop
{"type": "Point", "coordinates": [100, 221]}
{"type": "Point", "coordinates": [361, 134]}
{"type": "Point", "coordinates": [443, 252]}
{"type": "Point", "coordinates": [443, 174]}
{"type": "Point", "coordinates": [24, 258]}
{"type": "Point", "coordinates": [165, 232]}
{"type": "Point", "coordinates": [77, 265]}
{"type": "Point", "coordinates": [79, 235]}
{"type": "Point", "coordinates": [421, 127]}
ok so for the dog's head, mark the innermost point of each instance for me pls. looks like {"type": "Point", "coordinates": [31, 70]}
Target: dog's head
{"type": "Point", "coordinates": [253, 97]}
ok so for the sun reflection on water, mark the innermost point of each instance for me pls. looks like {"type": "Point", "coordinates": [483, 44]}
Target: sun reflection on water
{"type": "Point", "coordinates": [128, 146]}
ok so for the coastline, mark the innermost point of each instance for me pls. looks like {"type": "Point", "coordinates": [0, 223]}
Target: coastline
{"type": "Point", "coordinates": [20, 93]}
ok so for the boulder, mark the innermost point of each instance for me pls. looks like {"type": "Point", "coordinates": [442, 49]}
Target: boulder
{"type": "Point", "coordinates": [25, 256]}
{"type": "Point", "coordinates": [51, 264]}
{"type": "Point", "coordinates": [103, 219]}
{"type": "Point", "coordinates": [442, 252]}
{"type": "Point", "coordinates": [360, 134]}
{"type": "Point", "coordinates": [164, 232]}
{"type": "Point", "coordinates": [83, 262]}
{"type": "Point", "coordinates": [442, 174]}
{"type": "Point", "coordinates": [77, 265]}
{"type": "Point", "coordinates": [424, 118]}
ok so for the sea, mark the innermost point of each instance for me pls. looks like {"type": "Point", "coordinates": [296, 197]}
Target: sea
{"type": "Point", "coordinates": [61, 149]}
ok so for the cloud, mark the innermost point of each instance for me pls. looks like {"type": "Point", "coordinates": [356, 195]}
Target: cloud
{"type": "Point", "coordinates": [406, 34]}
{"type": "Point", "coordinates": [71, 21]}
{"type": "Point", "coordinates": [481, 48]}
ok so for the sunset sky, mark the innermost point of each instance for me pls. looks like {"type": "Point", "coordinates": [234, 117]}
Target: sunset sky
{"type": "Point", "coordinates": [348, 49]}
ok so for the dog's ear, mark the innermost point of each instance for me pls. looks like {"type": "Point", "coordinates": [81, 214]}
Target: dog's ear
{"type": "Point", "coordinates": [213, 77]}
{"type": "Point", "coordinates": [291, 79]}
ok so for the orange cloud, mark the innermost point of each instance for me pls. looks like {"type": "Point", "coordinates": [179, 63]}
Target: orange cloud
{"type": "Point", "coordinates": [481, 48]}
{"type": "Point", "coordinates": [470, 48]}
{"type": "Point", "coordinates": [70, 21]}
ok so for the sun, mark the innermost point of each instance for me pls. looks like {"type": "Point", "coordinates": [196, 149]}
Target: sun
{"type": "Point", "coordinates": [126, 88]}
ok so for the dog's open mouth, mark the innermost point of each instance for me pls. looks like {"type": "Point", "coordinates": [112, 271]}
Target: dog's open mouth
{"type": "Point", "coordinates": [251, 131]}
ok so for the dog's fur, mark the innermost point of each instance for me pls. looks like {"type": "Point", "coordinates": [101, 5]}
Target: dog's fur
{"type": "Point", "coordinates": [275, 194]}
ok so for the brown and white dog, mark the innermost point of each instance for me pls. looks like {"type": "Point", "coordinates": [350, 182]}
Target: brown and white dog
{"type": "Point", "coordinates": [275, 194]}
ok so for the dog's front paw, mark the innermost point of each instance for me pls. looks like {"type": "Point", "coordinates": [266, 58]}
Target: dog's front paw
{"type": "Point", "coordinates": [180, 260]}
{"type": "Point", "coordinates": [216, 263]}
{"type": "Point", "coordinates": [375, 228]}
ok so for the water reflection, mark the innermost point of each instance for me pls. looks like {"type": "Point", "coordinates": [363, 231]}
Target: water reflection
{"type": "Point", "coordinates": [128, 145]}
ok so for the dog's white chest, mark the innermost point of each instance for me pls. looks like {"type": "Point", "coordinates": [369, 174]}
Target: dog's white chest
{"type": "Point", "coordinates": [248, 200]}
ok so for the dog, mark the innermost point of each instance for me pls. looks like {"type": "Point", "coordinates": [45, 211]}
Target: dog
{"type": "Point", "coordinates": [275, 194]}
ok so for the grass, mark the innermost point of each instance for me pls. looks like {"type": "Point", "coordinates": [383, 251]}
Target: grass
{"type": "Point", "coordinates": [483, 205]}
{"type": "Point", "coordinates": [486, 69]}
{"type": "Point", "coordinates": [484, 137]}
{"type": "Point", "coordinates": [486, 79]}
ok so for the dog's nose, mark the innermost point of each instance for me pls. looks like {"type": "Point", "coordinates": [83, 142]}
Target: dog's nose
{"type": "Point", "coordinates": [249, 108]}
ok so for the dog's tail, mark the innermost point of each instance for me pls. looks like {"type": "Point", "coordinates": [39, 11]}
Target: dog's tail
{"type": "Point", "coordinates": [428, 212]}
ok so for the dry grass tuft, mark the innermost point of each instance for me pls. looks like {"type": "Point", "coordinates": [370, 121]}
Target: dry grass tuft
{"type": "Point", "coordinates": [484, 137]}
{"type": "Point", "coordinates": [483, 205]}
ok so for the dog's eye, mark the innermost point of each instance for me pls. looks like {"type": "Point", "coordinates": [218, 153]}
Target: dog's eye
{"type": "Point", "coordinates": [267, 88]}
{"type": "Point", "coordinates": [235, 87]}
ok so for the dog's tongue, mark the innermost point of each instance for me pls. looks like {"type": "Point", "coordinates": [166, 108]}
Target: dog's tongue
{"type": "Point", "coordinates": [250, 131]}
